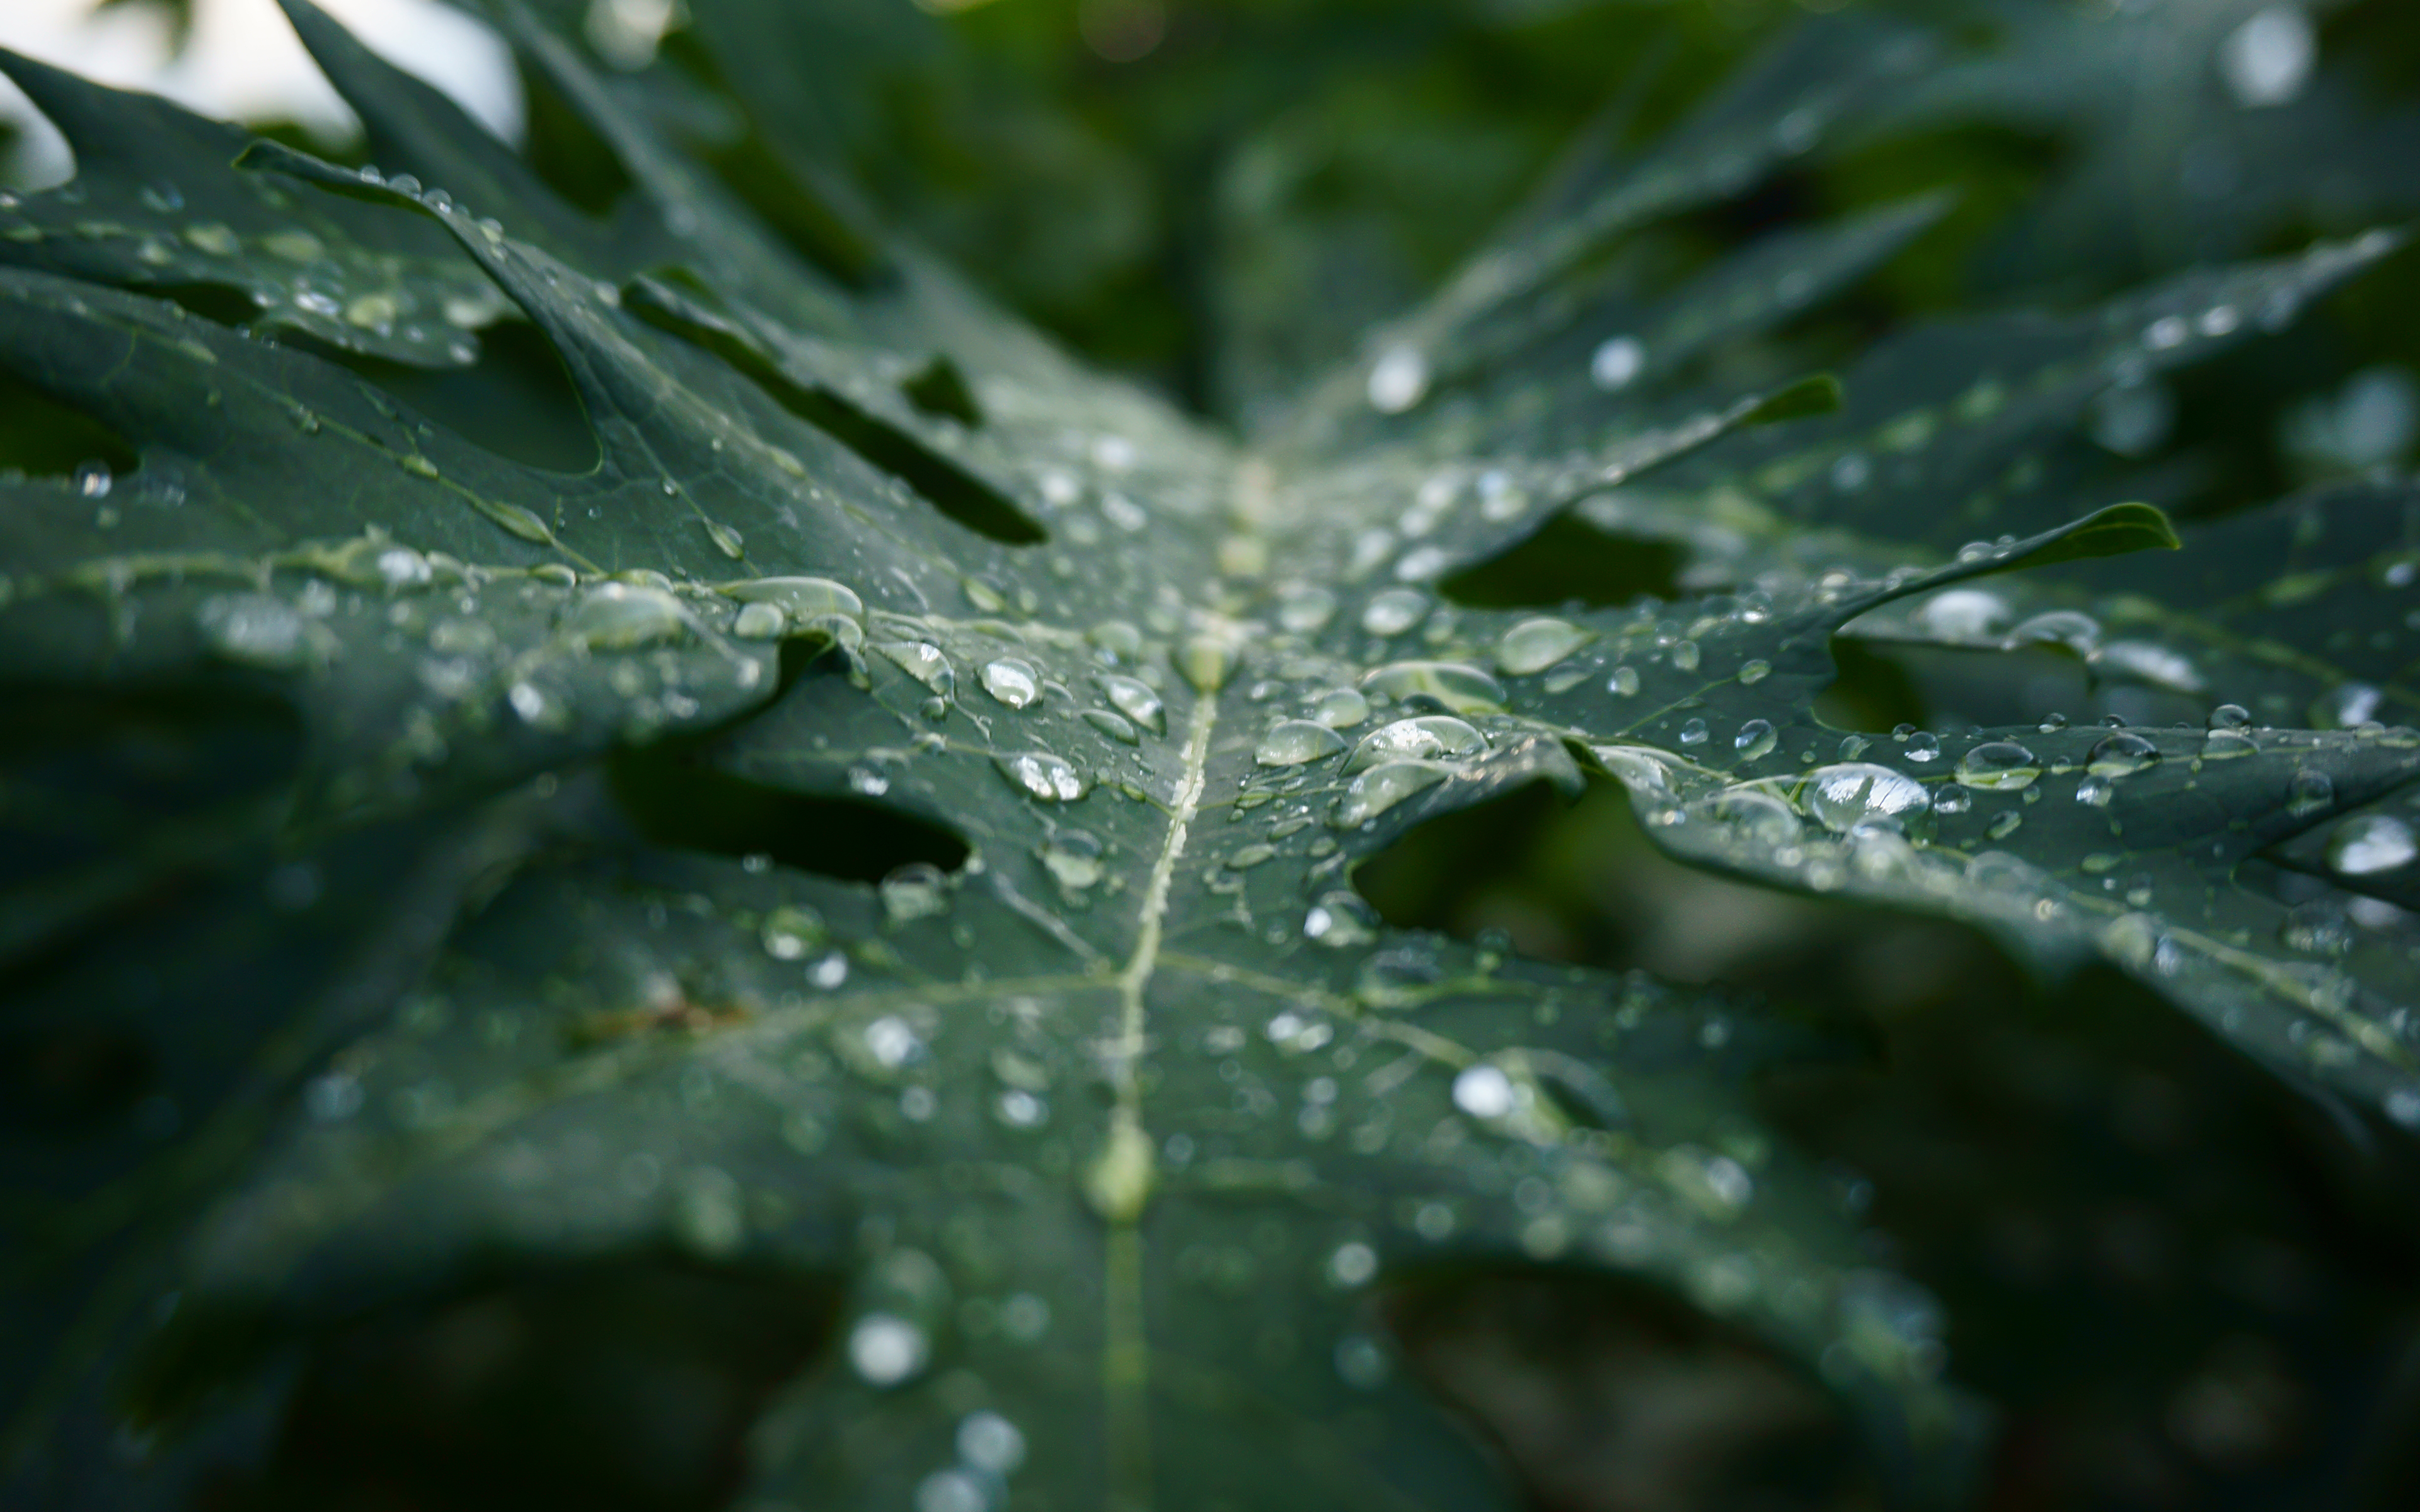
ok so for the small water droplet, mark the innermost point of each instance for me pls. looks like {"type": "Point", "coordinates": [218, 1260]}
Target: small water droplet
{"type": "Point", "coordinates": [1617, 362]}
{"type": "Point", "coordinates": [623, 616]}
{"type": "Point", "coordinates": [1394, 612]}
{"type": "Point", "coordinates": [1754, 740]}
{"type": "Point", "coordinates": [1398, 380]}
{"type": "Point", "coordinates": [1693, 733]}
{"type": "Point", "coordinates": [887, 1351]}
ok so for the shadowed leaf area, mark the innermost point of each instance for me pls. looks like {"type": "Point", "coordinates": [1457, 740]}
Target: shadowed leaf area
{"type": "Point", "coordinates": [1178, 757]}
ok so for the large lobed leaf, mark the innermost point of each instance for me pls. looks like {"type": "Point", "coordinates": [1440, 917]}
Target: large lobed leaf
{"type": "Point", "coordinates": [878, 806]}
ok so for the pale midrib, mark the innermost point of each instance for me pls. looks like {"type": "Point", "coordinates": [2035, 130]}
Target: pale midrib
{"type": "Point", "coordinates": [1121, 1181]}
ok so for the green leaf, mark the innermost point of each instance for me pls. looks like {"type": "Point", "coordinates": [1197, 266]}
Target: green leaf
{"type": "Point", "coordinates": [884, 821]}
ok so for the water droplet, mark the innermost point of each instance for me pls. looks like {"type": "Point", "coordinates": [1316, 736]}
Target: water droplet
{"type": "Point", "coordinates": [2230, 716]}
{"type": "Point", "coordinates": [923, 661]}
{"type": "Point", "coordinates": [2080, 633]}
{"type": "Point", "coordinates": [1206, 661]}
{"type": "Point", "coordinates": [1394, 612]}
{"type": "Point", "coordinates": [1041, 775]}
{"type": "Point", "coordinates": [1011, 681]}
{"type": "Point", "coordinates": [991, 1442]}
{"type": "Point", "coordinates": [759, 622]}
{"type": "Point", "coordinates": [623, 616]}
{"type": "Point", "coordinates": [1617, 362]}
{"type": "Point", "coordinates": [1382, 788]}
{"type": "Point", "coordinates": [1341, 920]}
{"type": "Point", "coordinates": [92, 480]}
{"type": "Point", "coordinates": [2309, 793]}
{"type": "Point", "coordinates": [254, 629]}
{"type": "Point", "coordinates": [952, 1489]}
{"type": "Point", "coordinates": [1484, 1091]}
{"type": "Point", "coordinates": [2096, 792]}
{"type": "Point", "coordinates": [1398, 380]}
{"type": "Point", "coordinates": [1427, 737]}
{"type": "Point", "coordinates": [916, 891]}
{"type": "Point", "coordinates": [1116, 726]}
{"type": "Point", "coordinates": [1693, 733]}
{"type": "Point", "coordinates": [1534, 645]}
{"type": "Point", "coordinates": [1998, 765]}
{"type": "Point", "coordinates": [1352, 1264]}
{"type": "Point", "coordinates": [2366, 845]}
{"type": "Point", "coordinates": [2121, 754]}
{"type": "Point", "coordinates": [727, 540]}
{"type": "Point", "coordinates": [1447, 685]}
{"type": "Point", "coordinates": [1849, 793]}
{"type": "Point", "coordinates": [2004, 825]}
{"type": "Point", "coordinates": [1292, 742]}
{"type": "Point", "coordinates": [2348, 706]}
{"type": "Point", "coordinates": [1074, 860]}
{"type": "Point", "coordinates": [2226, 746]}
{"type": "Point", "coordinates": [1136, 700]}
{"type": "Point", "coordinates": [803, 599]}
{"type": "Point", "coordinates": [2268, 60]}
{"type": "Point", "coordinates": [887, 1351]}
{"type": "Point", "coordinates": [1964, 615]}
{"type": "Point", "coordinates": [1685, 655]}
{"type": "Point", "coordinates": [1340, 708]}
{"type": "Point", "coordinates": [1305, 608]}
{"type": "Point", "coordinates": [1754, 740]}
{"type": "Point", "coordinates": [790, 933]}
{"type": "Point", "coordinates": [1753, 673]}
{"type": "Point", "coordinates": [1624, 682]}
{"type": "Point", "coordinates": [1754, 813]}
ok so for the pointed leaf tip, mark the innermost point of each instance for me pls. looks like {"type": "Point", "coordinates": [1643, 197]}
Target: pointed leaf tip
{"type": "Point", "coordinates": [2110, 532]}
{"type": "Point", "coordinates": [1818, 394]}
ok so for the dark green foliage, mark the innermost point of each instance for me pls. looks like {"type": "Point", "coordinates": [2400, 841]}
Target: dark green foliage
{"type": "Point", "coordinates": [600, 738]}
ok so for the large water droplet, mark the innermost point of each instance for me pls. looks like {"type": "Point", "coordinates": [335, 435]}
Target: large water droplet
{"type": "Point", "coordinates": [1427, 737]}
{"type": "Point", "coordinates": [2369, 845]}
{"type": "Point", "coordinates": [1998, 765]}
{"type": "Point", "coordinates": [621, 616]}
{"type": "Point", "coordinates": [802, 599]}
{"type": "Point", "coordinates": [1447, 685]}
{"type": "Point", "coordinates": [1011, 681]}
{"type": "Point", "coordinates": [1340, 708]}
{"type": "Point", "coordinates": [923, 661]}
{"type": "Point", "coordinates": [1041, 775]}
{"type": "Point", "coordinates": [1382, 788]}
{"type": "Point", "coordinates": [1754, 740]}
{"type": "Point", "coordinates": [1534, 645]}
{"type": "Point", "coordinates": [1964, 615]}
{"type": "Point", "coordinates": [1136, 700]}
{"type": "Point", "coordinates": [1292, 742]}
{"type": "Point", "coordinates": [2121, 754]}
{"type": "Point", "coordinates": [1847, 793]}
